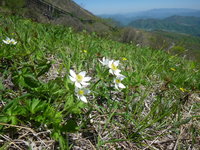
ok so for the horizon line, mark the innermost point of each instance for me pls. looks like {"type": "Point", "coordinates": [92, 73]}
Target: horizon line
{"type": "Point", "coordinates": [140, 11]}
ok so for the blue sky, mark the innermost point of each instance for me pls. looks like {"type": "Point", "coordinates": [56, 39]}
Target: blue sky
{"type": "Point", "coordinates": [123, 6]}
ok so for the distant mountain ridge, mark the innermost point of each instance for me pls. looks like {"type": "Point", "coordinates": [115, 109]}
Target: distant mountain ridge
{"type": "Point", "coordinates": [153, 14]}
{"type": "Point", "coordinates": [180, 24]}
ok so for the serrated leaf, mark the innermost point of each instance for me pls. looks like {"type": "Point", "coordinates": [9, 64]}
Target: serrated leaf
{"type": "Point", "coordinates": [33, 106]}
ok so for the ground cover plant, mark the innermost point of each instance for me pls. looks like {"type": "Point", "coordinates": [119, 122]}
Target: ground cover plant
{"type": "Point", "coordinates": [65, 90]}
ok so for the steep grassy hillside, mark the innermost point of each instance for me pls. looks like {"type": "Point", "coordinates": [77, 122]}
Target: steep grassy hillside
{"type": "Point", "coordinates": [155, 105]}
{"type": "Point", "coordinates": [175, 43]}
{"type": "Point", "coordinates": [179, 24]}
{"type": "Point", "coordinates": [64, 12]}
{"type": "Point", "coordinates": [73, 8]}
{"type": "Point", "coordinates": [68, 13]}
{"type": "Point", "coordinates": [181, 44]}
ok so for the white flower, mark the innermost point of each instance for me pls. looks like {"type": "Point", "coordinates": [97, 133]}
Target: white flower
{"type": "Point", "coordinates": [104, 61]}
{"type": "Point", "coordinates": [7, 41]}
{"type": "Point", "coordinates": [10, 41]}
{"type": "Point", "coordinates": [113, 67]}
{"type": "Point", "coordinates": [79, 79]}
{"type": "Point", "coordinates": [118, 81]}
{"type": "Point", "coordinates": [80, 94]}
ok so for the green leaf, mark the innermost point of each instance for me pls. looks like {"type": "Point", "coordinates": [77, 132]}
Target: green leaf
{"type": "Point", "coordinates": [31, 81]}
{"type": "Point", "coordinates": [43, 69]}
{"type": "Point", "coordinates": [4, 119]}
{"type": "Point", "coordinates": [181, 122]}
{"type": "Point", "coordinates": [5, 146]}
{"type": "Point", "coordinates": [34, 105]}
{"type": "Point", "coordinates": [62, 142]}
{"type": "Point", "coordinates": [14, 120]}
{"type": "Point", "coordinates": [1, 85]}
{"type": "Point", "coordinates": [71, 126]}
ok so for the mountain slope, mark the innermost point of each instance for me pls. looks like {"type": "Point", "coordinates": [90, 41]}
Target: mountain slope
{"type": "Point", "coordinates": [41, 108]}
{"type": "Point", "coordinates": [68, 13]}
{"type": "Point", "coordinates": [64, 12]}
{"type": "Point", "coordinates": [73, 8]}
{"type": "Point", "coordinates": [188, 25]}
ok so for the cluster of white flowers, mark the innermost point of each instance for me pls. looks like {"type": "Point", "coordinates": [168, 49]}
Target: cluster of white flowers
{"type": "Point", "coordinates": [81, 82]}
{"type": "Point", "coordinates": [10, 41]}
{"type": "Point", "coordinates": [113, 69]}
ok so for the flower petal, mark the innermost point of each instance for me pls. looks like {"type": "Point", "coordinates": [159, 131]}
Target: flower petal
{"type": "Point", "coordinates": [120, 76]}
{"type": "Point", "coordinates": [86, 79]}
{"type": "Point", "coordinates": [78, 85]}
{"type": "Point", "coordinates": [102, 62]}
{"type": "Point", "coordinates": [72, 79]}
{"type": "Point", "coordinates": [12, 41]}
{"type": "Point", "coordinates": [83, 98]}
{"type": "Point", "coordinates": [111, 71]}
{"type": "Point", "coordinates": [6, 42]}
{"type": "Point", "coordinates": [86, 91]}
{"type": "Point", "coordinates": [110, 64]}
{"type": "Point", "coordinates": [116, 86]}
{"type": "Point", "coordinates": [116, 63]}
{"type": "Point", "coordinates": [72, 73]}
{"type": "Point", "coordinates": [83, 73]}
{"type": "Point", "coordinates": [85, 84]}
{"type": "Point", "coordinates": [121, 86]}
{"type": "Point", "coordinates": [117, 72]}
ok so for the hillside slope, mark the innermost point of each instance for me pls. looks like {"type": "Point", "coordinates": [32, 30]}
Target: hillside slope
{"type": "Point", "coordinates": [64, 12]}
{"type": "Point", "coordinates": [72, 7]}
{"type": "Point", "coordinates": [154, 105]}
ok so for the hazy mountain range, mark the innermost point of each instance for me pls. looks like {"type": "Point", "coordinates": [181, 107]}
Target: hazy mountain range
{"type": "Point", "coordinates": [162, 13]}
{"type": "Point", "coordinates": [179, 24]}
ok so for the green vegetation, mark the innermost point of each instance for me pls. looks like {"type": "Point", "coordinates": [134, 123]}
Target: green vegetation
{"type": "Point", "coordinates": [64, 12]}
{"type": "Point", "coordinates": [39, 107]}
{"type": "Point", "coordinates": [168, 41]}
{"type": "Point", "coordinates": [179, 24]}
{"type": "Point", "coordinates": [163, 40]}
{"type": "Point", "coordinates": [13, 4]}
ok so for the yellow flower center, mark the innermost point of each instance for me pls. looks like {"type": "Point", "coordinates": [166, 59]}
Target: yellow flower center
{"type": "Point", "coordinates": [118, 81]}
{"type": "Point", "coordinates": [173, 69]}
{"type": "Point", "coordinates": [113, 67]}
{"type": "Point", "coordinates": [183, 90]}
{"type": "Point", "coordinates": [79, 78]}
{"type": "Point", "coordinates": [85, 51]}
{"type": "Point", "coordinates": [124, 58]}
{"type": "Point", "coordinates": [81, 92]}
